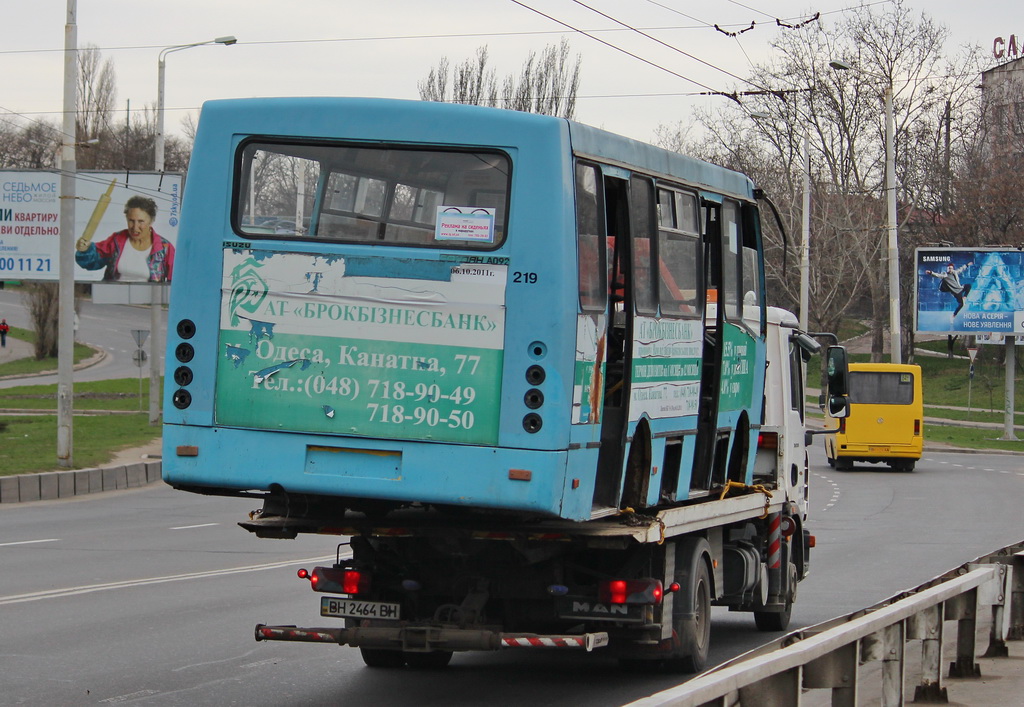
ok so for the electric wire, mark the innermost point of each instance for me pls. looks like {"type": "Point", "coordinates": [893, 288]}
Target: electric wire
{"type": "Point", "coordinates": [589, 34]}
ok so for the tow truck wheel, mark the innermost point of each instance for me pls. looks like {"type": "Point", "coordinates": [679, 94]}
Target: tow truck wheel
{"type": "Point", "coordinates": [382, 658]}
{"type": "Point", "coordinates": [434, 660]}
{"type": "Point", "coordinates": [691, 610]}
{"type": "Point", "coordinates": [778, 620]}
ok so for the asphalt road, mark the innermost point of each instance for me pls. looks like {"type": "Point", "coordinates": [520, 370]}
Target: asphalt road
{"type": "Point", "coordinates": [105, 326]}
{"type": "Point", "coordinates": [149, 597]}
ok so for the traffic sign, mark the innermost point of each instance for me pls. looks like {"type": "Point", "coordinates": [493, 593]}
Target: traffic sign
{"type": "Point", "coordinates": [140, 336]}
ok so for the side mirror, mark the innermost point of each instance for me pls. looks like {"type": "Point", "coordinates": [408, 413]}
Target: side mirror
{"type": "Point", "coordinates": [838, 406]}
{"type": "Point", "coordinates": [838, 373]}
{"type": "Point", "coordinates": [808, 346]}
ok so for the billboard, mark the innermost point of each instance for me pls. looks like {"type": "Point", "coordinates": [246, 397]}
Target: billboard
{"type": "Point", "coordinates": [969, 291]}
{"type": "Point", "coordinates": [126, 225]}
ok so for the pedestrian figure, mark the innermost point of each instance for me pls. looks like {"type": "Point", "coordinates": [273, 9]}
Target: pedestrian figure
{"type": "Point", "coordinates": [4, 328]}
{"type": "Point", "coordinates": [950, 282]}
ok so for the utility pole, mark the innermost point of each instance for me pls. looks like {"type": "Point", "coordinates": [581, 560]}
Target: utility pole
{"type": "Point", "coordinates": [156, 301]}
{"type": "Point", "coordinates": [66, 284]}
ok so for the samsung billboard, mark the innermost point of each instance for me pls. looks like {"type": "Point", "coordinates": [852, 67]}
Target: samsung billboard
{"type": "Point", "coordinates": [969, 291]}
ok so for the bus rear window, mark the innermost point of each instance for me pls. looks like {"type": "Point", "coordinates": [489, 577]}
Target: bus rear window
{"type": "Point", "coordinates": [372, 194]}
{"type": "Point", "coordinates": [871, 388]}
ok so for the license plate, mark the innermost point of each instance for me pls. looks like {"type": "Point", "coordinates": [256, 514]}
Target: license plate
{"type": "Point", "coordinates": [875, 448]}
{"type": "Point", "coordinates": [356, 609]}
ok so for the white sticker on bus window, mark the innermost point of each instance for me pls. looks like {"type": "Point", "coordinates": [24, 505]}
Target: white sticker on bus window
{"type": "Point", "coordinates": [733, 238]}
{"type": "Point", "coordinates": [464, 223]}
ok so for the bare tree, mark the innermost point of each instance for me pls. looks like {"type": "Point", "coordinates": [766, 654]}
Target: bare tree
{"type": "Point", "coordinates": [41, 299]}
{"type": "Point", "coordinates": [546, 84]}
{"type": "Point", "coordinates": [97, 91]}
{"type": "Point", "coordinates": [472, 82]}
{"type": "Point", "coordinates": [840, 114]}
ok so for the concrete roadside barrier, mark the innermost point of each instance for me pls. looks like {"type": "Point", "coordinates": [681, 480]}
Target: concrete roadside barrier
{"type": "Point", "coordinates": [53, 485]}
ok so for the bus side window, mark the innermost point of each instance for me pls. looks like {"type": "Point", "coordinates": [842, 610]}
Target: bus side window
{"type": "Point", "coordinates": [678, 253]}
{"type": "Point", "coordinates": [592, 265]}
{"type": "Point", "coordinates": [751, 285]}
{"type": "Point", "coordinates": [642, 230]}
{"type": "Point", "coordinates": [732, 262]}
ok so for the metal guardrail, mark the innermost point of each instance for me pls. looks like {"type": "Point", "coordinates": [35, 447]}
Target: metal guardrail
{"type": "Point", "coordinates": [830, 655]}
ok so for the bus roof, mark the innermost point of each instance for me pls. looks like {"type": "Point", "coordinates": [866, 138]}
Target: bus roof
{"type": "Point", "coordinates": [885, 367]}
{"type": "Point", "coordinates": [450, 123]}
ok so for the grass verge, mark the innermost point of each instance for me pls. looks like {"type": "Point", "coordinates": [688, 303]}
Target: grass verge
{"type": "Point", "coordinates": [120, 395]}
{"type": "Point", "coordinates": [29, 442]}
{"type": "Point", "coordinates": [971, 438]}
{"type": "Point", "coordinates": [29, 366]}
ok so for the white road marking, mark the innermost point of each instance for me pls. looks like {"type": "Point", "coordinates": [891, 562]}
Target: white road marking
{"type": "Point", "coordinates": [835, 490]}
{"type": "Point", "coordinates": [90, 588]}
{"type": "Point", "coordinates": [31, 542]}
{"type": "Point", "coordinates": [130, 696]}
{"type": "Point", "coordinates": [189, 527]}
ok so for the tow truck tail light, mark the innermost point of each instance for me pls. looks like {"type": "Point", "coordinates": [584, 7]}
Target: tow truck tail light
{"type": "Point", "coordinates": [768, 440]}
{"type": "Point", "coordinates": [842, 425]}
{"type": "Point", "coordinates": [631, 591]}
{"type": "Point", "coordinates": [338, 581]}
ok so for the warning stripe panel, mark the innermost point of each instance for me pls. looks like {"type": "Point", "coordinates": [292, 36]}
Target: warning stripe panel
{"type": "Point", "coordinates": [543, 642]}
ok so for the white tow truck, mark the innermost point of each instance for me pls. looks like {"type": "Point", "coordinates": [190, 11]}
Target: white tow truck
{"type": "Point", "coordinates": [416, 585]}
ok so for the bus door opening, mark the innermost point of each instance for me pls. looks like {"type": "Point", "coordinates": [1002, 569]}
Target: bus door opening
{"type": "Point", "coordinates": [712, 444]}
{"type": "Point", "coordinates": [618, 353]}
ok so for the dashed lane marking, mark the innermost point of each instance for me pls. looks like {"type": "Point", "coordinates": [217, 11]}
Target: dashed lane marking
{"type": "Point", "coordinates": [31, 542]}
{"type": "Point", "coordinates": [835, 490]}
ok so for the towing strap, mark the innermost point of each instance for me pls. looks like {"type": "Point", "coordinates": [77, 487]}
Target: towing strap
{"type": "Point", "coordinates": [757, 488]}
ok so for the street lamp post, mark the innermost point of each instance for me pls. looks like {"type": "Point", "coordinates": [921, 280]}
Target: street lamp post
{"type": "Point", "coordinates": [161, 66]}
{"type": "Point", "coordinates": [156, 303]}
{"type": "Point", "coordinates": [895, 340]}
{"type": "Point", "coordinates": [805, 246]}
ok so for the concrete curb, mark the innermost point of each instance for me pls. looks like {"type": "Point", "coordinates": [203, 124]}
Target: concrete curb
{"type": "Point", "coordinates": [99, 355]}
{"type": "Point", "coordinates": [53, 485]}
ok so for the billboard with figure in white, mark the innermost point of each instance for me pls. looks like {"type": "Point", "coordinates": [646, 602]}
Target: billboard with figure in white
{"type": "Point", "coordinates": [969, 291]}
{"type": "Point", "coordinates": [126, 225]}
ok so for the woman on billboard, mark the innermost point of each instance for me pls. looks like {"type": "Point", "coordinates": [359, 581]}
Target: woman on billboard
{"type": "Point", "coordinates": [135, 254]}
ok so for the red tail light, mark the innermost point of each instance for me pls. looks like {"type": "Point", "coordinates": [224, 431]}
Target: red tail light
{"type": "Point", "coordinates": [917, 428]}
{"type": "Point", "coordinates": [631, 591]}
{"type": "Point", "coordinates": [339, 581]}
{"type": "Point", "coordinates": [842, 425]}
{"type": "Point", "coordinates": [768, 440]}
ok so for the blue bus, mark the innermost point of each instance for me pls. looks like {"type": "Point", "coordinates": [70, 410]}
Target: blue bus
{"type": "Point", "coordinates": [382, 303]}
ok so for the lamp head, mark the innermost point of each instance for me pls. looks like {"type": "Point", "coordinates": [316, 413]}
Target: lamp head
{"type": "Point", "coordinates": [226, 41]}
{"type": "Point", "coordinates": [839, 65]}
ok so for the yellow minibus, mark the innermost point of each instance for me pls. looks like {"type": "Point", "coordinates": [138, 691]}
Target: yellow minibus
{"type": "Point", "coordinates": [885, 423]}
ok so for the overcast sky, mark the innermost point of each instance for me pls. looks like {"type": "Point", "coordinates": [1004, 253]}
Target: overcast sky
{"type": "Point", "coordinates": [384, 47]}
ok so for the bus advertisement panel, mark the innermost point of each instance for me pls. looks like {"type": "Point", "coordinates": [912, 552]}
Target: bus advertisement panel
{"type": "Point", "coordinates": [420, 358]}
{"type": "Point", "coordinates": [969, 291]}
{"type": "Point", "coordinates": [126, 225]}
